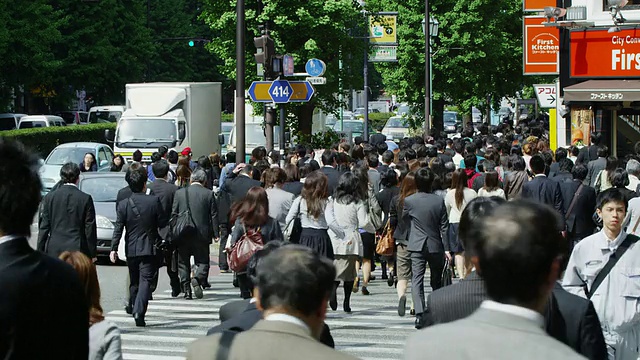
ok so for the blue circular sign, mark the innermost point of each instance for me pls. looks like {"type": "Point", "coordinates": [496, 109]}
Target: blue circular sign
{"type": "Point", "coordinates": [315, 67]}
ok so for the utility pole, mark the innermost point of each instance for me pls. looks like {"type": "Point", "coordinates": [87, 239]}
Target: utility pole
{"type": "Point", "coordinates": [365, 136]}
{"type": "Point", "coordinates": [427, 70]}
{"type": "Point", "coordinates": [265, 49]}
{"type": "Point", "coordinates": [240, 75]}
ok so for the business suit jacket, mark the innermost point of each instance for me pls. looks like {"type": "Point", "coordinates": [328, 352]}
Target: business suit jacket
{"type": "Point", "coordinates": [267, 340]}
{"type": "Point", "coordinates": [574, 321]}
{"type": "Point", "coordinates": [579, 222]}
{"type": "Point", "coordinates": [587, 154]}
{"type": "Point", "coordinates": [543, 190]}
{"type": "Point", "coordinates": [165, 192]}
{"type": "Point", "coordinates": [333, 176]}
{"type": "Point", "coordinates": [294, 187]}
{"type": "Point", "coordinates": [400, 224]}
{"type": "Point", "coordinates": [279, 204]}
{"type": "Point", "coordinates": [123, 194]}
{"type": "Point", "coordinates": [374, 180]}
{"type": "Point", "coordinates": [483, 336]}
{"type": "Point", "coordinates": [594, 167]}
{"type": "Point", "coordinates": [429, 222]}
{"type": "Point", "coordinates": [554, 169]}
{"type": "Point", "coordinates": [43, 307]}
{"type": "Point", "coordinates": [204, 210]}
{"type": "Point", "coordinates": [377, 138]}
{"type": "Point", "coordinates": [562, 176]}
{"type": "Point", "coordinates": [242, 315]}
{"type": "Point", "coordinates": [239, 186]}
{"type": "Point", "coordinates": [142, 231]}
{"type": "Point", "coordinates": [67, 222]}
{"type": "Point", "coordinates": [445, 158]}
{"type": "Point", "coordinates": [456, 301]}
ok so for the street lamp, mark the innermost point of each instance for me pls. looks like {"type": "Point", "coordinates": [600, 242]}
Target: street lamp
{"type": "Point", "coordinates": [430, 31]}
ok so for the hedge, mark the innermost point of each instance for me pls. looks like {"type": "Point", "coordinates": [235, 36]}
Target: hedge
{"type": "Point", "coordinates": [43, 140]}
{"type": "Point", "coordinates": [227, 117]}
{"type": "Point", "coordinates": [379, 119]}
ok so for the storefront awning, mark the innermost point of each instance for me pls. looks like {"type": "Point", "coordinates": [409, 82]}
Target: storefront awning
{"type": "Point", "coordinates": [603, 90]}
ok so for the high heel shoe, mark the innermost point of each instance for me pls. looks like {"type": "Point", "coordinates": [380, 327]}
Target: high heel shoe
{"type": "Point", "coordinates": [356, 285]}
{"type": "Point", "coordinates": [346, 307]}
{"type": "Point", "coordinates": [333, 302]}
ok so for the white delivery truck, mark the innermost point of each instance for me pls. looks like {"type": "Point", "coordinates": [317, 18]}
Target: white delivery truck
{"type": "Point", "coordinates": [178, 115]}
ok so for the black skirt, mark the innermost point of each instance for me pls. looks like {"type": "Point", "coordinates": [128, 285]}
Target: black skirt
{"type": "Point", "coordinates": [454, 242]}
{"type": "Point", "coordinates": [318, 240]}
{"type": "Point", "coordinates": [368, 245]}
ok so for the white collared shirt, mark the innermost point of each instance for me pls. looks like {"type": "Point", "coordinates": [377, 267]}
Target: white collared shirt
{"type": "Point", "coordinates": [617, 299]}
{"type": "Point", "coordinates": [289, 319]}
{"type": "Point", "coordinates": [540, 175]}
{"type": "Point", "coordinates": [71, 184]}
{"type": "Point", "coordinates": [7, 238]}
{"type": "Point", "coordinates": [519, 311]}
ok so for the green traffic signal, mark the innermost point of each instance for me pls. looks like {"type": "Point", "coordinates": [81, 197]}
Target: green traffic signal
{"type": "Point", "coordinates": [191, 43]}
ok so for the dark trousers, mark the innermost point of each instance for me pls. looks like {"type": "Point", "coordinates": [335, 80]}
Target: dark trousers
{"type": "Point", "coordinates": [245, 285]}
{"type": "Point", "coordinates": [222, 256]}
{"type": "Point", "coordinates": [200, 253]}
{"type": "Point", "coordinates": [142, 269]}
{"type": "Point", "coordinates": [168, 258]}
{"type": "Point", "coordinates": [419, 260]}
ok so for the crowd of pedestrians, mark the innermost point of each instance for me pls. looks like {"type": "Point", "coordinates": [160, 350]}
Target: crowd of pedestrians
{"type": "Point", "coordinates": [538, 238]}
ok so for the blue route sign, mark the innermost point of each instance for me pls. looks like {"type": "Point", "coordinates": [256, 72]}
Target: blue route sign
{"type": "Point", "coordinates": [259, 91]}
{"type": "Point", "coordinates": [280, 91]}
{"type": "Point", "coordinates": [315, 67]}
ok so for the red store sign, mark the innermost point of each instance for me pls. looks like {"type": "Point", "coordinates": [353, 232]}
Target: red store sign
{"type": "Point", "coordinates": [600, 54]}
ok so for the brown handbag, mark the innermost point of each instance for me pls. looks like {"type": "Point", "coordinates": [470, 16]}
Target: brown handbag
{"type": "Point", "coordinates": [248, 244]}
{"type": "Point", "coordinates": [386, 243]}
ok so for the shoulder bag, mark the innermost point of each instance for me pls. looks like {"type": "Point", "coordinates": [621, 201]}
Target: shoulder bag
{"type": "Point", "coordinates": [570, 209]}
{"type": "Point", "coordinates": [375, 212]}
{"type": "Point", "coordinates": [447, 274]}
{"type": "Point", "coordinates": [293, 230]}
{"type": "Point", "coordinates": [182, 225]}
{"type": "Point", "coordinates": [248, 244]}
{"type": "Point", "coordinates": [613, 259]}
{"type": "Point", "coordinates": [386, 243]}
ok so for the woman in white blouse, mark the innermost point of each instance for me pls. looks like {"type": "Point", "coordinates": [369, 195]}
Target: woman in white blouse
{"type": "Point", "coordinates": [491, 186]}
{"type": "Point", "coordinates": [455, 201]}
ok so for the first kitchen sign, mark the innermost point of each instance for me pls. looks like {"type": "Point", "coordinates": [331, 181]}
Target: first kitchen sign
{"type": "Point", "coordinates": [541, 47]}
{"type": "Point", "coordinates": [600, 54]}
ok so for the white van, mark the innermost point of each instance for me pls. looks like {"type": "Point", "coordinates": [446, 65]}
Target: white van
{"type": "Point", "coordinates": [36, 121]}
{"type": "Point", "coordinates": [10, 121]}
{"type": "Point", "coordinates": [105, 114]}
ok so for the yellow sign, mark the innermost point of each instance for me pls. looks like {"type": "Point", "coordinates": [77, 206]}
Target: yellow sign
{"type": "Point", "coordinates": [382, 29]}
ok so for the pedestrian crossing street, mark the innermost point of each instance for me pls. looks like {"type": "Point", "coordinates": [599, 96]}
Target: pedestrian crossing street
{"type": "Point", "coordinates": [372, 331]}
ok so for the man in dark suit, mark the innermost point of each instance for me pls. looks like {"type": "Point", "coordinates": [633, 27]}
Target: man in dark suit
{"type": "Point", "coordinates": [165, 192]}
{"type": "Point", "coordinates": [596, 166]}
{"type": "Point", "coordinates": [541, 189]}
{"type": "Point", "coordinates": [329, 169]}
{"type": "Point", "coordinates": [554, 169]}
{"type": "Point", "coordinates": [68, 218]}
{"type": "Point", "coordinates": [428, 240]}
{"type": "Point", "coordinates": [378, 137]}
{"type": "Point", "coordinates": [579, 222]}
{"type": "Point", "coordinates": [589, 153]}
{"type": "Point", "coordinates": [43, 307]}
{"type": "Point", "coordinates": [563, 172]}
{"type": "Point", "coordinates": [204, 212]}
{"type": "Point", "coordinates": [125, 192]}
{"type": "Point", "coordinates": [240, 181]}
{"type": "Point", "coordinates": [441, 146]}
{"type": "Point", "coordinates": [142, 216]}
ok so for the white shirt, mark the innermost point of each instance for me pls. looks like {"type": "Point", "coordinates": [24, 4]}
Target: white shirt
{"type": "Point", "coordinates": [633, 215]}
{"type": "Point", "coordinates": [456, 160]}
{"type": "Point", "coordinates": [450, 203]}
{"type": "Point", "coordinates": [497, 192]}
{"type": "Point", "coordinates": [7, 238]}
{"type": "Point", "coordinates": [519, 311]}
{"type": "Point", "coordinates": [633, 182]}
{"type": "Point", "coordinates": [289, 319]}
{"type": "Point", "coordinates": [617, 299]}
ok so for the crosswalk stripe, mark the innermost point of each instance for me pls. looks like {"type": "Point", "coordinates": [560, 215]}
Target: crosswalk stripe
{"type": "Point", "coordinates": [373, 331]}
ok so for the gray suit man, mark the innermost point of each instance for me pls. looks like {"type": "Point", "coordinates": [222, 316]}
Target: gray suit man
{"type": "Point", "coordinates": [596, 166]}
{"type": "Point", "coordinates": [428, 240]}
{"type": "Point", "coordinates": [204, 211]}
{"type": "Point", "coordinates": [514, 242]}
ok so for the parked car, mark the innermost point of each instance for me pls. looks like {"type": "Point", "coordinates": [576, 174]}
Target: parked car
{"type": "Point", "coordinates": [103, 188]}
{"type": "Point", "coordinates": [74, 117]}
{"type": "Point", "coordinates": [450, 121]}
{"type": "Point", "coordinates": [72, 152]}
{"type": "Point", "coordinates": [10, 121]}
{"type": "Point", "coordinates": [396, 127]}
{"type": "Point", "coordinates": [36, 121]}
{"type": "Point", "coordinates": [355, 126]}
{"type": "Point", "coordinates": [105, 114]}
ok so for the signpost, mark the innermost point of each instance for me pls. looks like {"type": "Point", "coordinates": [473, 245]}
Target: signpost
{"type": "Point", "coordinates": [302, 91]}
{"type": "Point", "coordinates": [315, 67]}
{"type": "Point", "coordinates": [541, 47]}
{"type": "Point", "coordinates": [281, 91]}
{"type": "Point", "coordinates": [546, 94]}
{"type": "Point", "coordinates": [259, 91]}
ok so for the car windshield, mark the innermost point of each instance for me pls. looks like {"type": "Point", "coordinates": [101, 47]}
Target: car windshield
{"type": "Point", "coordinates": [396, 122]}
{"type": "Point", "coordinates": [103, 189]}
{"type": "Point", "coordinates": [152, 131]}
{"type": "Point", "coordinates": [226, 127]}
{"type": "Point", "coordinates": [353, 126]}
{"type": "Point", "coordinates": [7, 123]}
{"type": "Point", "coordinates": [104, 116]}
{"type": "Point", "coordinates": [450, 117]}
{"type": "Point", "coordinates": [69, 117]}
{"type": "Point", "coordinates": [33, 124]}
{"type": "Point", "coordinates": [61, 156]}
{"type": "Point", "coordinates": [404, 110]}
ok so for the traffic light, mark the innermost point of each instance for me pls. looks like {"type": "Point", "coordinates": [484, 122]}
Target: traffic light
{"type": "Point", "coordinates": [192, 43]}
{"type": "Point", "coordinates": [265, 49]}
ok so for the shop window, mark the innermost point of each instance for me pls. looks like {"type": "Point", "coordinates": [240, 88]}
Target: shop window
{"type": "Point", "coordinates": [631, 5]}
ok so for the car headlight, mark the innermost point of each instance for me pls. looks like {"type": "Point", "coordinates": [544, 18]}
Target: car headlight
{"type": "Point", "coordinates": [103, 222]}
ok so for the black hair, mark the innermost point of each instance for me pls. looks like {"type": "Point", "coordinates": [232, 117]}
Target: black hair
{"type": "Point", "coordinates": [565, 165]}
{"type": "Point", "coordinates": [69, 173]}
{"type": "Point", "coordinates": [387, 157]}
{"type": "Point", "coordinates": [430, 152]}
{"type": "Point", "coordinates": [163, 150]}
{"type": "Point", "coordinates": [382, 147]}
{"type": "Point", "coordinates": [155, 157]}
{"type": "Point", "coordinates": [348, 189]}
{"type": "Point", "coordinates": [470, 161]}
{"type": "Point", "coordinates": [137, 180]}
{"type": "Point", "coordinates": [160, 168]}
{"type": "Point", "coordinates": [619, 178]}
{"type": "Point", "coordinates": [247, 170]}
{"type": "Point", "coordinates": [561, 153]}
{"type": "Point", "coordinates": [537, 165]}
{"type": "Point", "coordinates": [231, 157]}
{"type": "Point", "coordinates": [611, 195]}
{"type": "Point", "coordinates": [579, 172]}
{"type": "Point", "coordinates": [358, 140]}
{"type": "Point", "coordinates": [410, 154]}
{"type": "Point", "coordinates": [516, 241]}
{"type": "Point", "coordinates": [472, 217]}
{"type": "Point", "coordinates": [424, 179]}
{"type": "Point", "coordinates": [172, 157]}
{"type": "Point", "coordinates": [328, 157]}
{"type": "Point", "coordinates": [295, 277]}
{"type": "Point", "coordinates": [603, 151]}
{"type": "Point", "coordinates": [20, 187]}
{"type": "Point", "coordinates": [137, 156]}
{"type": "Point", "coordinates": [389, 178]}
{"type": "Point", "coordinates": [204, 162]}
{"type": "Point", "coordinates": [372, 160]}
